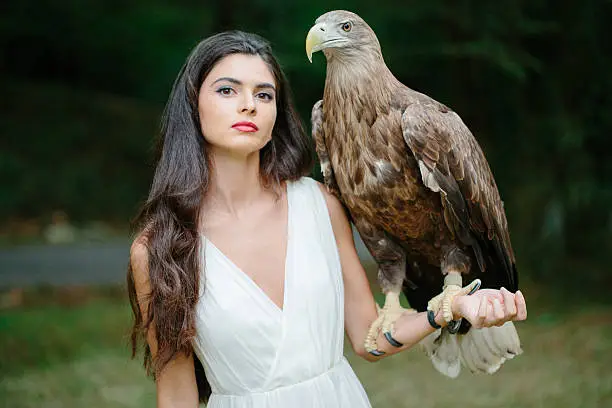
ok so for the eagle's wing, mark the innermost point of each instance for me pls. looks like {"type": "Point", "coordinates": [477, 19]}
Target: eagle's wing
{"type": "Point", "coordinates": [452, 163]}
{"type": "Point", "coordinates": [321, 148]}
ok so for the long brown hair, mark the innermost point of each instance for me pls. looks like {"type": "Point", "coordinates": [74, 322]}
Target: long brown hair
{"type": "Point", "coordinates": [169, 217]}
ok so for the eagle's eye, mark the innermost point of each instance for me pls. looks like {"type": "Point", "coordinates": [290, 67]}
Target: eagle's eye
{"type": "Point", "coordinates": [347, 26]}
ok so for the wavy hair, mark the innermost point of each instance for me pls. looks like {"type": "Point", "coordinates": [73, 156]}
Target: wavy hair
{"type": "Point", "coordinates": [168, 221]}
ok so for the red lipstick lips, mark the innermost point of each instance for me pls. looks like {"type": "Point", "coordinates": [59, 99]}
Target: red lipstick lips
{"type": "Point", "coordinates": [245, 126]}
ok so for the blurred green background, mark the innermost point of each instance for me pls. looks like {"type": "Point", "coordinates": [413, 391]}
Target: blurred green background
{"type": "Point", "coordinates": [83, 85]}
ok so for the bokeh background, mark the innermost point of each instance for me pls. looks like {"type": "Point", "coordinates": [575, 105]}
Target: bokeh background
{"type": "Point", "coordinates": [83, 84]}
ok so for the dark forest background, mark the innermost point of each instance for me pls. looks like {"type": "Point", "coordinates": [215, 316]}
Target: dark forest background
{"type": "Point", "coordinates": [83, 84]}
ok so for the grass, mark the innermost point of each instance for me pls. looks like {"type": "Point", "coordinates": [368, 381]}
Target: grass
{"type": "Point", "coordinates": [63, 354]}
{"type": "Point", "coordinates": [74, 353]}
{"type": "Point", "coordinates": [565, 364]}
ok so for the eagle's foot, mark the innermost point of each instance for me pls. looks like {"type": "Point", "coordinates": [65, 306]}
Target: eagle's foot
{"type": "Point", "coordinates": [387, 316]}
{"type": "Point", "coordinates": [391, 312]}
{"type": "Point", "coordinates": [370, 341]}
{"type": "Point", "coordinates": [443, 301]}
{"type": "Point", "coordinates": [452, 288]}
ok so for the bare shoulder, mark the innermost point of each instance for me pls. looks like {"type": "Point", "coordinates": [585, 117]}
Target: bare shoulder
{"type": "Point", "coordinates": [139, 260]}
{"type": "Point", "coordinates": [334, 206]}
{"type": "Point", "coordinates": [337, 214]}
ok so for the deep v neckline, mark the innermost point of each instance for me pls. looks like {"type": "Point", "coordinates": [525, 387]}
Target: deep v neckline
{"type": "Point", "coordinates": [241, 273]}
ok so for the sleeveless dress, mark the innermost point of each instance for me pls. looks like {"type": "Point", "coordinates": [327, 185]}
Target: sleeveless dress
{"type": "Point", "coordinates": [257, 355]}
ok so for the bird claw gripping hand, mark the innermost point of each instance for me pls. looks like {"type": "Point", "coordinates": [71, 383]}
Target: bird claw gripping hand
{"type": "Point", "coordinates": [387, 316]}
{"type": "Point", "coordinates": [452, 288]}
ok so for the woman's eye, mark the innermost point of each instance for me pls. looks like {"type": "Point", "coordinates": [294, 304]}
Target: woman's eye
{"type": "Point", "coordinates": [265, 95]}
{"type": "Point", "coordinates": [225, 91]}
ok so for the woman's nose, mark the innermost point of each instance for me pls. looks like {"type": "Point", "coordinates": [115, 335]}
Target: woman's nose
{"type": "Point", "coordinates": [248, 104]}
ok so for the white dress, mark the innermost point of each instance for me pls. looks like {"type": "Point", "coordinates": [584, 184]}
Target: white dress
{"type": "Point", "coordinates": [256, 355]}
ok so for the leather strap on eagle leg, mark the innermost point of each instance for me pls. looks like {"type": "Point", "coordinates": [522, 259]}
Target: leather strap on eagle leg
{"type": "Point", "coordinates": [453, 279]}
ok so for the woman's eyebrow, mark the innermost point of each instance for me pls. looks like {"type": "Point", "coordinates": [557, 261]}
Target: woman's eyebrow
{"type": "Point", "coordinates": [228, 79]}
{"type": "Point", "coordinates": [266, 85]}
{"type": "Point", "coordinates": [237, 82]}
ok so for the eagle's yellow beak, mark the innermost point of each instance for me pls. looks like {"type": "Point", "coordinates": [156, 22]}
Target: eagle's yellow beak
{"type": "Point", "coordinates": [314, 39]}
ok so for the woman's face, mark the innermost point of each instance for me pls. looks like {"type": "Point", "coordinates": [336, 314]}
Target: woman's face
{"type": "Point", "coordinates": [237, 105]}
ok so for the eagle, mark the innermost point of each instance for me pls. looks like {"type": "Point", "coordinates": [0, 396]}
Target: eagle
{"type": "Point", "coordinates": [418, 189]}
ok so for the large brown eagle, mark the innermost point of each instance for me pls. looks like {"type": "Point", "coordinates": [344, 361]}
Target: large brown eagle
{"type": "Point", "coordinates": [418, 189]}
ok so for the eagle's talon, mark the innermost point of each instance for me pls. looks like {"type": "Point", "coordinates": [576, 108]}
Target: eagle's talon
{"type": "Point", "coordinates": [370, 340]}
{"type": "Point", "coordinates": [376, 353]}
{"type": "Point", "coordinates": [475, 286]}
{"type": "Point", "coordinates": [444, 300]}
{"type": "Point", "coordinates": [392, 341]}
{"type": "Point", "coordinates": [453, 326]}
{"type": "Point", "coordinates": [447, 311]}
{"type": "Point", "coordinates": [391, 312]}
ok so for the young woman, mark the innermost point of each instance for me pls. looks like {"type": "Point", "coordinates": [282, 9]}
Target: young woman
{"type": "Point", "coordinates": [245, 265]}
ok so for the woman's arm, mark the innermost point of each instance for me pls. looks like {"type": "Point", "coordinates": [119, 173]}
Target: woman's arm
{"type": "Point", "coordinates": [176, 384]}
{"type": "Point", "coordinates": [481, 309]}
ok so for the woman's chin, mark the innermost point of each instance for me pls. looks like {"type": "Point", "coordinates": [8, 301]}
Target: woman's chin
{"type": "Point", "coordinates": [241, 147]}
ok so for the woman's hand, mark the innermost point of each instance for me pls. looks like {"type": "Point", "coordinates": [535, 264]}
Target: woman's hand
{"type": "Point", "coordinates": [490, 307]}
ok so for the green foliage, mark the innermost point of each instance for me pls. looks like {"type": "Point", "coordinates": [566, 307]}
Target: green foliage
{"type": "Point", "coordinates": [82, 152]}
{"type": "Point", "coordinates": [85, 82]}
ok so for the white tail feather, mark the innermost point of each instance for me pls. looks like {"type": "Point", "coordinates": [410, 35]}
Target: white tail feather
{"type": "Point", "coordinates": [443, 351]}
{"type": "Point", "coordinates": [480, 350]}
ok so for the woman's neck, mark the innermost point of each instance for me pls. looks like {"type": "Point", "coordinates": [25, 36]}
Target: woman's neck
{"type": "Point", "coordinates": [235, 184]}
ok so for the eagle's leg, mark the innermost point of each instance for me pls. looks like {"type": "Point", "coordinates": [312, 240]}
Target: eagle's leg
{"type": "Point", "coordinates": [454, 264]}
{"type": "Point", "coordinates": [391, 260]}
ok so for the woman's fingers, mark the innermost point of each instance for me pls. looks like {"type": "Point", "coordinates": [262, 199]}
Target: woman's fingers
{"type": "Point", "coordinates": [496, 316]}
{"type": "Point", "coordinates": [483, 311]}
{"type": "Point", "coordinates": [488, 293]}
{"type": "Point", "coordinates": [509, 303]}
{"type": "Point", "coordinates": [496, 307]}
{"type": "Point", "coordinates": [521, 306]}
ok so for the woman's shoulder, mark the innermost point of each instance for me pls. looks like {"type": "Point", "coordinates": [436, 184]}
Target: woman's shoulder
{"type": "Point", "coordinates": [308, 182]}
{"type": "Point", "coordinates": [139, 252]}
{"type": "Point", "coordinates": [333, 204]}
{"type": "Point", "coordinates": [330, 211]}
{"type": "Point", "coordinates": [139, 258]}
{"type": "Point", "coordinates": [308, 185]}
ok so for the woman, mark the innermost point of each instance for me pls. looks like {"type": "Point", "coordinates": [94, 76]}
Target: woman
{"type": "Point", "coordinates": [244, 264]}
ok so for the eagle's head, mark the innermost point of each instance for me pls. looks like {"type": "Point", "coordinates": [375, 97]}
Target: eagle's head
{"type": "Point", "coordinates": [343, 34]}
